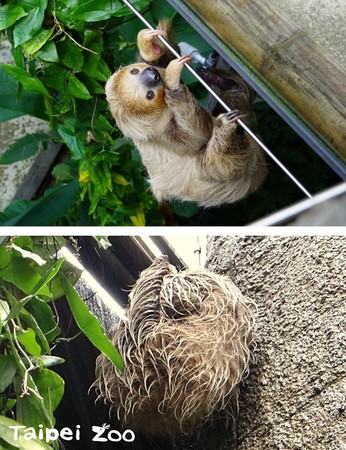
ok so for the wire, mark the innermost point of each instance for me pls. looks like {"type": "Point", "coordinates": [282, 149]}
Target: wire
{"type": "Point", "coordinates": [227, 108]}
{"type": "Point", "coordinates": [198, 251]}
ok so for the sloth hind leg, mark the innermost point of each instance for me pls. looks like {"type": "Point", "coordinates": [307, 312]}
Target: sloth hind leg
{"type": "Point", "coordinates": [227, 151]}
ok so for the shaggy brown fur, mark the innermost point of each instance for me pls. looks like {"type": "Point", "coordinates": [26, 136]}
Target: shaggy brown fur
{"type": "Point", "coordinates": [185, 347]}
{"type": "Point", "coordinates": [189, 155]}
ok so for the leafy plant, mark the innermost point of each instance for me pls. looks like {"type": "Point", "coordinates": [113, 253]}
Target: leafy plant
{"type": "Point", "coordinates": [64, 51]}
{"type": "Point", "coordinates": [32, 277]}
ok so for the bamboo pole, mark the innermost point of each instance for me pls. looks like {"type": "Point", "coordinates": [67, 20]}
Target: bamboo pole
{"type": "Point", "coordinates": [299, 72]}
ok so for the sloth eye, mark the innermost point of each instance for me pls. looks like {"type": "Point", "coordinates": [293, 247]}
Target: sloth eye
{"type": "Point", "coordinates": [134, 71]}
{"type": "Point", "coordinates": [150, 95]}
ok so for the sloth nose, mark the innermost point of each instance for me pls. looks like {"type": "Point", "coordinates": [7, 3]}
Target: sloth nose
{"type": "Point", "coordinates": [151, 77]}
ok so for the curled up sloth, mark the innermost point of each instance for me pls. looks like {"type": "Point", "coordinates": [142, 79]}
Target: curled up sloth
{"type": "Point", "coordinates": [186, 343]}
{"type": "Point", "coordinates": [189, 154]}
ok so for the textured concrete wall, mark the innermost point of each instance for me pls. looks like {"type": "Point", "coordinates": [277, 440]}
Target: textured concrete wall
{"type": "Point", "coordinates": [295, 396]}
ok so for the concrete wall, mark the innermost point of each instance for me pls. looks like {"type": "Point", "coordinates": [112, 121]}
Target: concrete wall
{"type": "Point", "coordinates": [295, 396]}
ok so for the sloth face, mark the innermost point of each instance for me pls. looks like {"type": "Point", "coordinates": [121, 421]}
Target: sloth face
{"type": "Point", "coordinates": [150, 78]}
{"type": "Point", "coordinates": [136, 88]}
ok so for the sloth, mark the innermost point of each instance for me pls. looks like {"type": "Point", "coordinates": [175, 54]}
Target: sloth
{"type": "Point", "coordinates": [189, 154]}
{"type": "Point", "coordinates": [186, 346]}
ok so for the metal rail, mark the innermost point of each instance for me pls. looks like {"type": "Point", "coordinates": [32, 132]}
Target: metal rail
{"type": "Point", "coordinates": [290, 213]}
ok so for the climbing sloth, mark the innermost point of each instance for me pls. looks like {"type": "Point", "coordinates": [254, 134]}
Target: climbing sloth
{"type": "Point", "coordinates": [189, 155]}
{"type": "Point", "coordinates": [185, 346]}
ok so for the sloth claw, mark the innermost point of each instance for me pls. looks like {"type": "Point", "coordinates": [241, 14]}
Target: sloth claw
{"type": "Point", "coordinates": [151, 34]}
{"type": "Point", "coordinates": [234, 115]}
{"type": "Point", "coordinates": [174, 70]}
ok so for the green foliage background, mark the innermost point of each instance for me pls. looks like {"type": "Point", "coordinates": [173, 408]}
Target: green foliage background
{"type": "Point", "coordinates": [33, 275]}
{"type": "Point", "coordinates": [64, 51]}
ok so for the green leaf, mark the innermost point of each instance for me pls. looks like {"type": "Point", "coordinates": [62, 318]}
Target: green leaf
{"type": "Point", "coordinates": [28, 26]}
{"type": "Point", "coordinates": [27, 254]}
{"type": "Point", "coordinates": [11, 106]}
{"type": "Point", "coordinates": [120, 179]}
{"type": "Point", "coordinates": [50, 273]}
{"type": "Point", "coordinates": [8, 368]}
{"type": "Point", "coordinates": [93, 41]}
{"type": "Point", "coordinates": [71, 274]}
{"type": "Point", "coordinates": [63, 171]}
{"type": "Point", "coordinates": [63, 14]}
{"type": "Point", "coordinates": [49, 361]}
{"type": "Point", "coordinates": [103, 242]}
{"type": "Point", "coordinates": [48, 53]}
{"type": "Point", "coordinates": [24, 242]}
{"type": "Point", "coordinates": [30, 320]}
{"type": "Point", "coordinates": [9, 14]}
{"type": "Point", "coordinates": [66, 83]}
{"type": "Point", "coordinates": [92, 11]}
{"type": "Point", "coordinates": [43, 315]}
{"type": "Point", "coordinates": [5, 257]}
{"type": "Point", "coordinates": [18, 57]}
{"type": "Point", "coordinates": [90, 326]}
{"type": "Point", "coordinates": [70, 54]}
{"type": "Point", "coordinates": [51, 387]}
{"type": "Point", "coordinates": [7, 434]}
{"type": "Point", "coordinates": [33, 45]}
{"type": "Point", "coordinates": [23, 148]}
{"type": "Point", "coordinates": [31, 409]}
{"type": "Point", "coordinates": [26, 79]}
{"type": "Point", "coordinates": [102, 71]}
{"type": "Point", "coordinates": [101, 178]}
{"type": "Point", "coordinates": [102, 125]}
{"type": "Point", "coordinates": [28, 339]}
{"type": "Point", "coordinates": [72, 141]}
{"type": "Point", "coordinates": [33, 285]}
{"type": "Point", "coordinates": [94, 203]}
{"type": "Point", "coordinates": [20, 272]}
{"type": "Point", "coordinates": [44, 211]}
{"type": "Point", "coordinates": [94, 66]}
{"type": "Point", "coordinates": [139, 219]}
{"type": "Point", "coordinates": [93, 86]}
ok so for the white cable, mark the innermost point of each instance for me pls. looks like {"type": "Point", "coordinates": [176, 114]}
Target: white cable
{"type": "Point", "coordinates": [227, 108]}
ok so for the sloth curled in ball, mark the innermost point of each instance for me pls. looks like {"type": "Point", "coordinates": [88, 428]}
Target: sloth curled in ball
{"type": "Point", "coordinates": [189, 155]}
{"type": "Point", "coordinates": [185, 344]}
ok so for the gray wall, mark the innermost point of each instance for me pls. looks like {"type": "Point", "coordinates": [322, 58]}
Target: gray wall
{"type": "Point", "coordinates": [295, 396]}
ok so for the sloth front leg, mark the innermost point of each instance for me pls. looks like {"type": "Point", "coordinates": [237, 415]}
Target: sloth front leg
{"type": "Point", "coordinates": [190, 121]}
{"type": "Point", "coordinates": [173, 71]}
{"type": "Point", "coordinates": [150, 48]}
